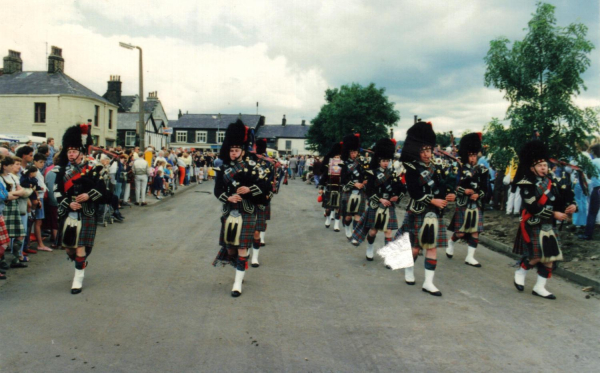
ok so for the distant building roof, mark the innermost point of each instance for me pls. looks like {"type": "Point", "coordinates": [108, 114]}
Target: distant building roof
{"type": "Point", "coordinates": [128, 121]}
{"type": "Point", "coordinates": [44, 83]}
{"type": "Point", "coordinates": [211, 121]}
{"type": "Point", "coordinates": [127, 102]}
{"type": "Point", "coordinates": [291, 131]}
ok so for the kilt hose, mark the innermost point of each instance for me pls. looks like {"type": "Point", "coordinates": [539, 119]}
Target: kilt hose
{"type": "Point", "coordinates": [532, 250]}
{"type": "Point", "coordinates": [459, 219]}
{"type": "Point", "coordinates": [12, 219]}
{"type": "Point", "coordinates": [367, 221]}
{"type": "Point", "coordinates": [413, 222]}
{"type": "Point", "coordinates": [344, 204]}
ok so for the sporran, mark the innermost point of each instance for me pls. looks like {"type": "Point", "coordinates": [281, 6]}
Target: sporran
{"type": "Point", "coordinates": [233, 228]}
{"type": "Point", "coordinates": [429, 231]}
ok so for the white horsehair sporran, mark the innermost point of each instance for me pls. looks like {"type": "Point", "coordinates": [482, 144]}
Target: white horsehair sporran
{"type": "Point", "coordinates": [429, 231]}
{"type": "Point", "coordinates": [70, 231]}
{"type": "Point", "coordinates": [233, 228]}
{"type": "Point", "coordinates": [382, 218]}
{"type": "Point", "coordinates": [549, 244]}
{"type": "Point", "coordinates": [471, 220]}
{"type": "Point", "coordinates": [353, 202]}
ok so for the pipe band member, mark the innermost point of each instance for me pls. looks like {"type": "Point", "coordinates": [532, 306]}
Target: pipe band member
{"type": "Point", "coordinates": [384, 191]}
{"type": "Point", "coordinates": [429, 194]}
{"type": "Point", "coordinates": [467, 222]}
{"type": "Point", "coordinates": [329, 186]}
{"type": "Point", "coordinates": [240, 187]}
{"type": "Point", "coordinates": [354, 198]}
{"type": "Point", "coordinates": [544, 202]}
{"type": "Point", "coordinates": [78, 190]}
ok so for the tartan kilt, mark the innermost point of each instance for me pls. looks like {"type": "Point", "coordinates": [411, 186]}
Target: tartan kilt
{"type": "Point", "coordinates": [532, 250]}
{"type": "Point", "coordinates": [367, 220]}
{"type": "Point", "coordinates": [268, 212]}
{"type": "Point", "coordinates": [261, 220]}
{"type": "Point", "coordinates": [346, 198]}
{"type": "Point", "coordinates": [87, 235]}
{"type": "Point", "coordinates": [459, 219]}
{"type": "Point", "coordinates": [4, 238]}
{"type": "Point", "coordinates": [12, 220]}
{"type": "Point", "coordinates": [246, 235]}
{"type": "Point", "coordinates": [224, 258]}
{"type": "Point", "coordinates": [413, 222]}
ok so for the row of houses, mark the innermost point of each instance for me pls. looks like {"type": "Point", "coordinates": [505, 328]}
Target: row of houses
{"type": "Point", "coordinates": [46, 103]}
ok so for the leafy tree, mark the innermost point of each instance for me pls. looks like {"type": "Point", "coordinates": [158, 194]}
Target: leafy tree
{"type": "Point", "coordinates": [540, 76]}
{"type": "Point", "coordinates": [443, 138]}
{"type": "Point", "coordinates": [498, 141]}
{"type": "Point", "coordinates": [352, 108]}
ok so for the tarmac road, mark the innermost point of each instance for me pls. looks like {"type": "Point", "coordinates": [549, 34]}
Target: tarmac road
{"type": "Point", "coordinates": [152, 302]}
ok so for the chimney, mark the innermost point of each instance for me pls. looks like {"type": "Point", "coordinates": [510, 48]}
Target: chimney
{"type": "Point", "coordinates": [13, 63]}
{"type": "Point", "coordinates": [56, 62]}
{"type": "Point", "coordinates": [391, 133]}
{"type": "Point", "coordinates": [179, 115]}
{"type": "Point", "coordinates": [113, 93]}
{"type": "Point", "coordinates": [303, 122]}
{"type": "Point", "coordinates": [152, 96]}
{"type": "Point", "coordinates": [283, 121]}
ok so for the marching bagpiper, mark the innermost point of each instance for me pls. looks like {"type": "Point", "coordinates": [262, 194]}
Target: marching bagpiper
{"type": "Point", "coordinates": [240, 187]}
{"type": "Point", "coordinates": [429, 195]}
{"type": "Point", "coordinates": [353, 184]}
{"type": "Point", "coordinates": [78, 189]}
{"type": "Point", "coordinates": [544, 202]}
{"type": "Point", "coordinates": [467, 222]}
{"type": "Point", "coordinates": [384, 190]}
{"type": "Point", "coordinates": [330, 186]}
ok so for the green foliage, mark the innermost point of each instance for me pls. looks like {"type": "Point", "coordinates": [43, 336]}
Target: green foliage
{"type": "Point", "coordinates": [499, 142]}
{"type": "Point", "coordinates": [352, 108]}
{"type": "Point", "coordinates": [540, 76]}
{"type": "Point", "coordinates": [443, 139]}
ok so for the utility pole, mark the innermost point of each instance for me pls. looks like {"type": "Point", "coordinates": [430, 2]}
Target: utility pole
{"type": "Point", "coordinates": [141, 127]}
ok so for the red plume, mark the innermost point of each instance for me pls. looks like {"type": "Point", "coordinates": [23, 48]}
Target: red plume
{"type": "Point", "coordinates": [357, 134]}
{"type": "Point", "coordinates": [84, 129]}
{"type": "Point", "coordinates": [245, 133]}
{"type": "Point", "coordinates": [479, 134]}
{"type": "Point", "coordinates": [394, 141]}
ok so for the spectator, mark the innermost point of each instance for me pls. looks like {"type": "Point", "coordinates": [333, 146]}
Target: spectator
{"type": "Point", "coordinates": [13, 221]}
{"type": "Point", "coordinates": [317, 170]}
{"type": "Point", "coordinates": [181, 166]}
{"type": "Point", "coordinates": [26, 154]}
{"type": "Point", "coordinates": [51, 207]}
{"type": "Point", "coordinates": [198, 167]}
{"type": "Point", "coordinates": [141, 171]}
{"type": "Point", "coordinates": [301, 163]}
{"type": "Point", "coordinates": [293, 167]}
{"type": "Point", "coordinates": [513, 205]}
{"type": "Point", "coordinates": [188, 167]}
{"type": "Point", "coordinates": [39, 161]}
{"type": "Point", "coordinates": [594, 186]}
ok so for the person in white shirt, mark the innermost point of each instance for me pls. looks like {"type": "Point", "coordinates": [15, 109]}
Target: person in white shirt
{"type": "Point", "coordinates": [39, 161]}
{"type": "Point", "coordinates": [141, 170]}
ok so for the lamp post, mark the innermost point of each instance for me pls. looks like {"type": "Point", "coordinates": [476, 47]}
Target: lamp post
{"type": "Point", "coordinates": [141, 128]}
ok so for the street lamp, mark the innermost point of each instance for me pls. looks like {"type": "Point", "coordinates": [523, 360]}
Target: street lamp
{"type": "Point", "coordinates": [141, 129]}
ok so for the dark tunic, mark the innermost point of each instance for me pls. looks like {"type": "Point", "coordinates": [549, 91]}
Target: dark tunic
{"type": "Point", "coordinates": [353, 172]}
{"type": "Point", "coordinates": [475, 178]}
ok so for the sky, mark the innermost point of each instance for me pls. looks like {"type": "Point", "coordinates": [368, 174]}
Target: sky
{"type": "Point", "coordinates": [209, 57]}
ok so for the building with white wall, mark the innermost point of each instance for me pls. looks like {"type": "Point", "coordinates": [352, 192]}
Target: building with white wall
{"type": "Point", "coordinates": [285, 138]}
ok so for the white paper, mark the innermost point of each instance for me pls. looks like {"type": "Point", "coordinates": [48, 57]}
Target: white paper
{"type": "Point", "coordinates": [398, 253]}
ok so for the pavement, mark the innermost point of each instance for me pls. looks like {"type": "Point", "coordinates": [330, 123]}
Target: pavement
{"type": "Point", "coordinates": [152, 302]}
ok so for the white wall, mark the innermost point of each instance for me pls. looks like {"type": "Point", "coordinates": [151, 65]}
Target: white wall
{"type": "Point", "coordinates": [298, 144]}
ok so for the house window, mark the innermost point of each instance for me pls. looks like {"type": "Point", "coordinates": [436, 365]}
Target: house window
{"type": "Point", "coordinates": [110, 113]}
{"type": "Point", "coordinates": [201, 137]}
{"type": "Point", "coordinates": [130, 138]}
{"type": "Point", "coordinates": [181, 136]}
{"type": "Point", "coordinates": [220, 137]}
{"type": "Point", "coordinates": [288, 144]}
{"type": "Point", "coordinates": [40, 112]}
{"type": "Point", "coordinates": [38, 134]}
{"type": "Point", "coordinates": [96, 115]}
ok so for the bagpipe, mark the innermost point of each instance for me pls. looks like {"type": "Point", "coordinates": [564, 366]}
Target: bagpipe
{"type": "Point", "coordinates": [580, 175]}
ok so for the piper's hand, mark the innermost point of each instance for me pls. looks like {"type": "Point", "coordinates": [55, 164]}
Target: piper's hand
{"type": "Point", "coordinates": [385, 202]}
{"type": "Point", "coordinates": [394, 199]}
{"type": "Point", "coordinates": [439, 203]}
{"type": "Point", "coordinates": [451, 197]}
{"type": "Point", "coordinates": [75, 206]}
{"type": "Point", "coordinates": [358, 185]}
{"type": "Point", "coordinates": [243, 190]}
{"type": "Point", "coordinates": [82, 197]}
{"type": "Point", "coordinates": [571, 209]}
{"type": "Point", "coordinates": [560, 216]}
{"type": "Point", "coordinates": [469, 191]}
{"type": "Point", "coordinates": [235, 198]}
{"type": "Point", "coordinates": [475, 197]}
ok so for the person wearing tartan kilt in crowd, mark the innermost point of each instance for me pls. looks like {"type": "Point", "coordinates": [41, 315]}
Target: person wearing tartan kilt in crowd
{"type": "Point", "coordinates": [429, 194]}
{"type": "Point", "coordinates": [353, 202]}
{"type": "Point", "coordinates": [384, 190]}
{"type": "Point", "coordinates": [266, 167]}
{"type": "Point", "coordinates": [329, 186]}
{"type": "Point", "coordinates": [467, 222]}
{"type": "Point", "coordinates": [78, 190]}
{"type": "Point", "coordinates": [544, 202]}
{"type": "Point", "coordinates": [240, 186]}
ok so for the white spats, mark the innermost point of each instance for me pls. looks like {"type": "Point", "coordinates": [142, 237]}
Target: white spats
{"type": "Point", "coordinates": [428, 285]}
{"type": "Point", "coordinates": [332, 215]}
{"type": "Point", "coordinates": [336, 225]}
{"type": "Point", "coordinates": [370, 251]}
{"type": "Point", "coordinates": [262, 238]}
{"type": "Point", "coordinates": [328, 222]}
{"type": "Point", "coordinates": [236, 291]}
{"type": "Point", "coordinates": [409, 275]}
{"type": "Point", "coordinates": [450, 249]}
{"type": "Point", "coordinates": [254, 260]}
{"type": "Point", "coordinates": [470, 259]}
{"type": "Point", "coordinates": [540, 288]}
{"type": "Point", "coordinates": [78, 281]}
{"type": "Point", "coordinates": [348, 229]}
{"type": "Point", "coordinates": [520, 276]}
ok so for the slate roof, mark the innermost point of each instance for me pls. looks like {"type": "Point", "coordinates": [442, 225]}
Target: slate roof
{"type": "Point", "coordinates": [128, 121]}
{"type": "Point", "coordinates": [43, 83]}
{"type": "Point", "coordinates": [290, 131]}
{"type": "Point", "coordinates": [127, 103]}
{"type": "Point", "coordinates": [206, 121]}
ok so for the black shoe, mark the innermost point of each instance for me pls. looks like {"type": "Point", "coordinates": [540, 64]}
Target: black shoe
{"type": "Point", "coordinates": [409, 282]}
{"type": "Point", "coordinates": [388, 267]}
{"type": "Point", "coordinates": [327, 226]}
{"type": "Point", "coordinates": [255, 265]}
{"type": "Point", "coordinates": [369, 259]}
{"type": "Point", "coordinates": [4, 265]}
{"type": "Point", "coordinates": [262, 244]}
{"type": "Point", "coordinates": [136, 203]}
{"type": "Point", "coordinates": [478, 265]}
{"type": "Point", "coordinates": [118, 213]}
{"type": "Point", "coordinates": [18, 264]}
{"type": "Point", "coordinates": [75, 291]}
{"type": "Point", "coordinates": [449, 256]}
{"type": "Point", "coordinates": [434, 293]}
{"type": "Point", "coordinates": [235, 293]}
{"type": "Point", "coordinates": [117, 218]}
{"type": "Point", "coordinates": [549, 296]}
{"type": "Point", "coordinates": [336, 230]}
{"type": "Point", "coordinates": [519, 287]}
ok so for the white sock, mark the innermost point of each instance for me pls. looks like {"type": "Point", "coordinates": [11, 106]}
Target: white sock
{"type": "Point", "coordinates": [78, 279]}
{"type": "Point", "coordinates": [409, 274]}
{"type": "Point", "coordinates": [428, 284]}
{"type": "Point", "coordinates": [540, 286]}
{"type": "Point", "coordinates": [255, 256]}
{"type": "Point", "coordinates": [348, 231]}
{"type": "Point", "coordinates": [336, 225]}
{"type": "Point", "coordinates": [239, 278]}
{"type": "Point", "coordinates": [262, 237]}
{"type": "Point", "coordinates": [520, 274]}
{"type": "Point", "coordinates": [450, 248]}
{"type": "Point", "coordinates": [332, 215]}
{"type": "Point", "coordinates": [328, 221]}
{"type": "Point", "coordinates": [370, 251]}
{"type": "Point", "coordinates": [471, 256]}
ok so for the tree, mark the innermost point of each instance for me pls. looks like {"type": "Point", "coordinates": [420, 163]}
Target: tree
{"type": "Point", "coordinates": [443, 139]}
{"type": "Point", "coordinates": [499, 142]}
{"type": "Point", "coordinates": [540, 76]}
{"type": "Point", "coordinates": [352, 108]}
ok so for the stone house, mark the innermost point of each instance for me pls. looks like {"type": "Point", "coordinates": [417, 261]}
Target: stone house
{"type": "Point", "coordinates": [285, 138]}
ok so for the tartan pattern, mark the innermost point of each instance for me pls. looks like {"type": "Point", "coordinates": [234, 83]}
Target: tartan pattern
{"type": "Point", "coordinates": [268, 212]}
{"type": "Point", "coordinates": [459, 219]}
{"type": "Point", "coordinates": [87, 235]}
{"type": "Point", "coordinates": [226, 257]}
{"type": "Point", "coordinates": [344, 203]}
{"type": "Point", "coordinates": [367, 220]}
{"type": "Point", "coordinates": [413, 222]}
{"type": "Point", "coordinates": [4, 238]}
{"type": "Point", "coordinates": [246, 235]}
{"type": "Point", "coordinates": [261, 220]}
{"type": "Point", "coordinates": [12, 220]}
{"type": "Point", "coordinates": [533, 250]}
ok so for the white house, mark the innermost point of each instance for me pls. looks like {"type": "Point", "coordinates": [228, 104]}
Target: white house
{"type": "Point", "coordinates": [286, 138]}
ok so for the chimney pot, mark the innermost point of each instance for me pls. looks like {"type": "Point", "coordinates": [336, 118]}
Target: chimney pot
{"type": "Point", "coordinates": [56, 62]}
{"type": "Point", "coordinates": [283, 121]}
{"type": "Point", "coordinates": [303, 122]}
{"type": "Point", "coordinates": [13, 62]}
{"type": "Point", "coordinates": [113, 92]}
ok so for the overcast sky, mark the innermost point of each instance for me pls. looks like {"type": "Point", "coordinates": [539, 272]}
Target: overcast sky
{"type": "Point", "coordinates": [208, 57]}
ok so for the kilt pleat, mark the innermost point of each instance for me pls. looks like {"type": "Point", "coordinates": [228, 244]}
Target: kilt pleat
{"type": "Point", "coordinates": [367, 221]}
{"type": "Point", "coordinates": [261, 220]}
{"type": "Point", "coordinates": [413, 222]}
{"type": "Point", "coordinates": [12, 219]}
{"type": "Point", "coordinates": [87, 235]}
{"type": "Point", "coordinates": [459, 219]}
